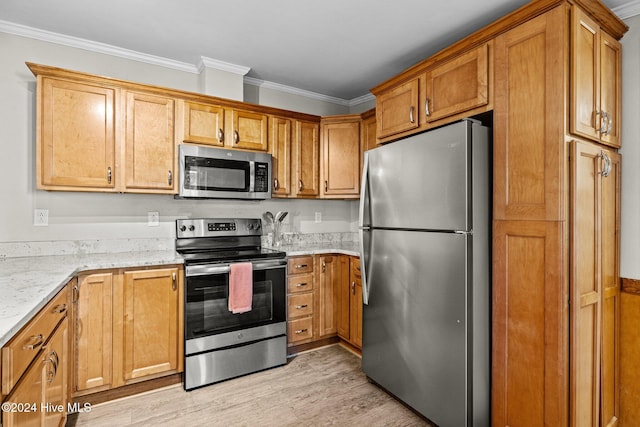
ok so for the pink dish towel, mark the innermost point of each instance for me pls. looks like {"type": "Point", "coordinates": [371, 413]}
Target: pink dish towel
{"type": "Point", "coordinates": [240, 287]}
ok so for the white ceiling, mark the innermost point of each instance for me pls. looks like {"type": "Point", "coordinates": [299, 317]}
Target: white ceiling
{"type": "Point", "coordinates": [335, 48]}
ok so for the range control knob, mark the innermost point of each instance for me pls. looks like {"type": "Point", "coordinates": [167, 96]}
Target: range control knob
{"type": "Point", "coordinates": [258, 225]}
{"type": "Point", "coordinates": [192, 227]}
{"type": "Point", "coordinates": [183, 228]}
{"type": "Point", "coordinates": [250, 226]}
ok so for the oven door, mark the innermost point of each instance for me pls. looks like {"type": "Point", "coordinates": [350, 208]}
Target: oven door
{"type": "Point", "coordinates": [207, 299]}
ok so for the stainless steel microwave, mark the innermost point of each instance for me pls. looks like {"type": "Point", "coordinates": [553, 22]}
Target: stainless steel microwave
{"type": "Point", "coordinates": [218, 173]}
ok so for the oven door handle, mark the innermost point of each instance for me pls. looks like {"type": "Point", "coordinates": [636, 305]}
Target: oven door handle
{"type": "Point", "coordinates": [203, 270]}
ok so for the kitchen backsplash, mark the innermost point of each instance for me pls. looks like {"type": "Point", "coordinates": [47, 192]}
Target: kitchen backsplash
{"type": "Point", "coordinates": [73, 247]}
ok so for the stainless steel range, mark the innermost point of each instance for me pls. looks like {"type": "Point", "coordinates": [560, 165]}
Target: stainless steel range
{"type": "Point", "coordinates": [221, 344]}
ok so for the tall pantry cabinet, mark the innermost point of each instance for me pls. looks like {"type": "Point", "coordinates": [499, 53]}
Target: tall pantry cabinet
{"type": "Point", "coordinates": [556, 219]}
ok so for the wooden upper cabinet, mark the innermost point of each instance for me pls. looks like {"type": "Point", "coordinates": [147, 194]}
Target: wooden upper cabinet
{"type": "Point", "coordinates": [306, 160]}
{"type": "Point", "coordinates": [76, 136]}
{"type": "Point", "coordinates": [529, 117]}
{"type": "Point", "coordinates": [203, 123]}
{"type": "Point", "coordinates": [281, 138]}
{"type": "Point", "coordinates": [248, 130]}
{"type": "Point", "coordinates": [456, 86]}
{"type": "Point", "coordinates": [150, 143]}
{"type": "Point", "coordinates": [340, 157]}
{"type": "Point", "coordinates": [596, 81]}
{"type": "Point", "coordinates": [397, 109]}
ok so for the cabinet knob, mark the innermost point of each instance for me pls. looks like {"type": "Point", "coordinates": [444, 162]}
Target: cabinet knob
{"type": "Point", "coordinates": [275, 184]}
{"type": "Point", "coordinates": [300, 184]}
{"type": "Point", "coordinates": [109, 174]}
{"type": "Point", "coordinates": [326, 185]}
{"type": "Point", "coordinates": [411, 118]}
{"type": "Point", "coordinates": [301, 331]}
{"type": "Point", "coordinates": [220, 135]}
{"type": "Point", "coordinates": [427, 112]}
{"type": "Point", "coordinates": [170, 177]}
{"type": "Point", "coordinates": [236, 137]}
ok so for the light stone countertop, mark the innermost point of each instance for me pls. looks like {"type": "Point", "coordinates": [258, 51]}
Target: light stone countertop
{"type": "Point", "coordinates": [346, 248]}
{"type": "Point", "coordinates": [28, 283]}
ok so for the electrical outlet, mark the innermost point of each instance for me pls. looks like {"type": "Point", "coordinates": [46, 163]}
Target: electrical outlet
{"type": "Point", "coordinates": [153, 219]}
{"type": "Point", "coordinates": [318, 217]}
{"type": "Point", "coordinates": [41, 217]}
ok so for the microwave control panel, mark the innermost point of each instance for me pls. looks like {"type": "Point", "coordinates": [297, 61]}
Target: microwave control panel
{"type": "Point", "coordinates": [262, 177]}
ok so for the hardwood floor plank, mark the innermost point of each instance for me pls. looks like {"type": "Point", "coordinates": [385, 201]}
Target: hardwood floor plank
{"type": "Point", "coordinates": [324, 386]}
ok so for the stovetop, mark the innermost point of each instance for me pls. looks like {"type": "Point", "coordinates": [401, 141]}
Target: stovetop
{"type": "Point", "coordinates": [236, 254]}
{"type": "Point", "coordinates": [213, 240]}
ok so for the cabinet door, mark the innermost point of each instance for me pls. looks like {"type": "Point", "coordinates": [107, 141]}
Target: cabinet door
{"type": "Point", "coordinates": [529, 149]}
{"type": "Point", "coordinates": [76, 136]}
{"type": "Point", "coordinates": [55, 378]}
{"type": "Point", "coordinates": [93, 332]}
{"type": "Point", "coordinates": [586, 292]}
{"type": "Point", "coordinates": [355, 305]}
{"type": "Point", "coordinates": [281, 152]}
{"type": "Point", "coordinates": [307, 160]}
{"type": "Point", "coordinates": [595, 181]}
{"type": "Point", "coordinates": [611, 88]}
{"type": "Point", "coordinates": [150, 143]}
{"type": "Point", "coordinates": [203, 124]}
{"type": "Point", "coordinates": [530, 343]}
{"type": "Point", "coordinates": [332, 268]}
{"type": "Point", "coordinates": [611, 298]}
{"type": "Point", "coordinates": [586, 118]}
{"type": "Point", "coordinates": [152, 331]}
{"type": "Point", "coordinates": [29, 392]}
{"type": "Point", "coordinates": [397, 109]}
{"type": "Point", "coordinates": [457, 86]}
{"type": "Point", "coordinates": [248, 130]}
{"type": "Point", "coordinates": [341, 159]}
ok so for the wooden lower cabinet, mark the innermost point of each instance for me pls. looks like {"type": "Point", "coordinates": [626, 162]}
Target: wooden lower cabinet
{"type": "Point", "coordinates": [530, 324]}
{"type": "Point", "coordinates": [42, 391]}
{"type": "Point", "coordinates": [35, 366]}
{"type": "Point", "coordinates": [350, 305]}
{"type": "Point", "coordinates": [595, 285]}
{"type": "Point", "coordinates": [324, 299]}
{"type": "Point", "coordinates": [127, 327]}
{"type": "Point", "coordinates": [300, 300]}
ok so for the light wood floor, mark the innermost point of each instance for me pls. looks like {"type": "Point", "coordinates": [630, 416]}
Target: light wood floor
{"type": "Point", "coordinates": [319, 387]}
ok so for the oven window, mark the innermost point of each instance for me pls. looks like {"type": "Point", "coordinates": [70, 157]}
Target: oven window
{"type": "Point", "coordinates": [207, 303]}
{"type": "Point", "coordinates": [216, 174]}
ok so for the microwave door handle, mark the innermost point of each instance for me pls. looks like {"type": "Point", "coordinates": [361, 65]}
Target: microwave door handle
{"type": "Point", "coordinates": [252, 176]}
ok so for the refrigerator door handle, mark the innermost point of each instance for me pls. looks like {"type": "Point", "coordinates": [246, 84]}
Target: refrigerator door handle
{"type": "Point", "coordinates": [364, 254]}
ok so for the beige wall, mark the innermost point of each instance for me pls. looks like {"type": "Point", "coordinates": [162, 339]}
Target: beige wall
{"type": "Point", "coordinates": [80, 216]}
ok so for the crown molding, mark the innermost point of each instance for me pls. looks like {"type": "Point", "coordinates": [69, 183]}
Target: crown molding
{"type": "Point", "coordinates": [295, 91]}
{"type": "Point", "coordinates": [627, 10]}
{"type": "Point", "coordinates": [103, 48]}
{"type": "Point", "coordinates": [222, 66]}
{"type": "Point", "coordinates": [93, 46]}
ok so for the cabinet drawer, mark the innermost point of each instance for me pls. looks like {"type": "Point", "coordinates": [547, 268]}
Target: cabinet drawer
{"type": "Point", "coordinates": [299, 305]}
{"type": "Point", "coordinates": [300, 283]}
{"type": "Point", "coordinates": [23, 348]}
{"type": "Point", "coordinates": [300, 330]}
{"type": "Point", "coordinates": [301, 264]}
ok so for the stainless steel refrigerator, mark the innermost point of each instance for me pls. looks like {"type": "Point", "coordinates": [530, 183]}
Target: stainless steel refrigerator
{"type": "Point", "coordinates": [425, 213]}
